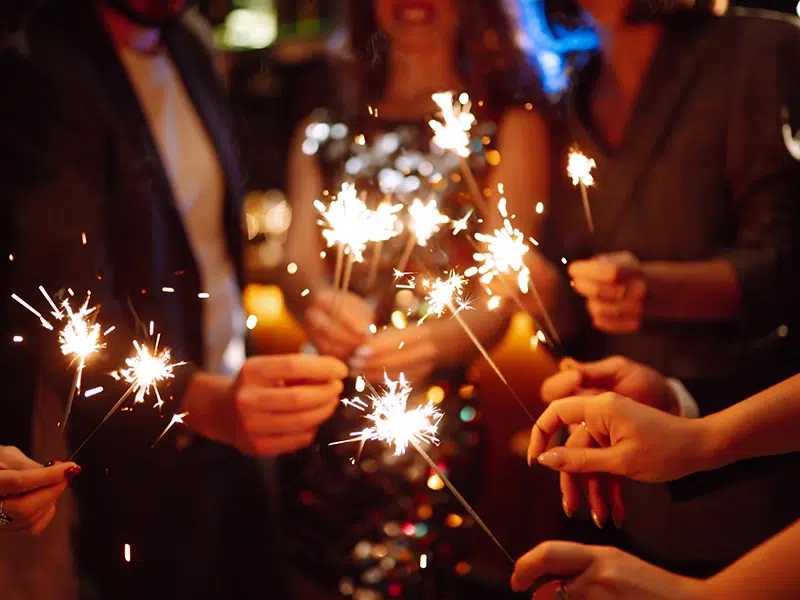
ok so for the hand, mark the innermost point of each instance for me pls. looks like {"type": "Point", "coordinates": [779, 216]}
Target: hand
{"type": "Point", "coordinates": [411, 351]}
{"type": "Point", "coordinates": [338, 322]}
{"type": "Point", "coordinates": [29, 491]}
{"type": "Point", "coordinates": [599, 573]}
{"type": "Point", "coordinates": [638, 442]}
{"type": "Point", "coordinates": [615, 374]}
{"type": "Point", "coordinates": [275, 405]}
{"type": "Point", "coordinates": [615, 289]}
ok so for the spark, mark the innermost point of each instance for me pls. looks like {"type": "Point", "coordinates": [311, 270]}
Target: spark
{"type": "Point", "coordinates": [93, 392]}
{"type": "Point", "coordinates": [452, 132]}
{"type": "Point", "coordinates": [579, 168]}
{"type": "Point", "coordinates": [204, 295]}
{"type": "Point", "coordinates": [461, 224]}
{"type": "Point", "coordinates": [167, 290]}
{"type": "Point", "coordinates": [146, 370]}
{"type": "Point", "coordinates": [127, 552]}
{"type": "Point", "coordinates": [393, 422]}
{"type": "Point", "coordinates": [426, 220]}
{"type": "Point", "coordinates": [445, 293]}
{"type": "Point", "coordinates": [18, 339]}
{"type": "Point", "coordinates": [505, 252]}
{"type": "Point", "coordinates": [42, 320]}
{"type": "Point", "coordinates": [177, 418]}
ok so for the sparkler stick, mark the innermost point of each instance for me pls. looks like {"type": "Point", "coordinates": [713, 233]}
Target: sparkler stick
{"type": "Point", "coordinates": [579, 169]}
{"type": "Point", "coordinates": [174, 421]}
{"type": "Point", "coordinates": [425, 221]}
{"type": "Point", "coordinates": [114, 409]}
{"type": "Point", "coordinates": [397, 425]}
{"type": "Point", "coordinates": [452, 134]}
{"type": "Point", "coordinates": [386, 212]}
{"type": "Point", "coordinates": [462, 500]}
{"type": "Point", "coordinates": [337, 275]}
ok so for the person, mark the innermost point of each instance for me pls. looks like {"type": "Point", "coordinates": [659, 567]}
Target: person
{"type": "Point", "coordinates": [690, 266]}
{"type": "Point", "coordinates": [121, 181]}
{"type": "Point", "coordinates": [390, 58]}
{"type": "Point", "coordinates": [645, 444]}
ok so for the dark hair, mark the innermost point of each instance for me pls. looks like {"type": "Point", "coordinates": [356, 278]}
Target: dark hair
{"type": "Point", "coordinates": [491, 64]}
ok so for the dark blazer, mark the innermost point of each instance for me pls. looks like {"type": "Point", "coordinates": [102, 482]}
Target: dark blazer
{"type": "Point", "coordinates": [702, 172]}
{"type": "Point", "coordinates": [78, 158]}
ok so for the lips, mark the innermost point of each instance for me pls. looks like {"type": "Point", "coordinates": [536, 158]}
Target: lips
{"type": "Point", "coordinates": [415, 12]}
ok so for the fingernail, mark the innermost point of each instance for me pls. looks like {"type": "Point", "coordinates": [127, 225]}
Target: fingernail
{"type": "Point", "coordinates": [553, 459]}
{"type": "Point", "coordinates": [567, 510]}
{"type": "Point", "coordinates": [356, 364]}
{"type": "Point", "coordinates": [72, 473]}
{"type": "Point", "coordinates": [617, 521]}
{"type": "Point", "coordinates": [597, 520]}
{"type": "Point", "coordinates": [363, 351]}
{"type": "Point", "coordinates": [530, 457]}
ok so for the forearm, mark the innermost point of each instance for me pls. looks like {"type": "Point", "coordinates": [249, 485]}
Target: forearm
{"type": "Point", "coordinates": [769, 572]}
{"type": "Point", "coordinates": [698, 290]}
{"type": "Point", "coordinates": [762, 425]}
{"type": "Point", "coordinates": [454, 343]}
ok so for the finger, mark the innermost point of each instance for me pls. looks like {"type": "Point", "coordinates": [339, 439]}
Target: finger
{"type": "Point", "coordinates": [277, 445]}
{"type": "Point", "coordinates": [617, 326]}
{"type": "Point", "coordinates": [31, 504]}
{"type": "Point", "coordinates": [574, 486]}
{"type": "Point", "coordinates": [14, 482]}
{"type": "Point", "coordinates": [596, 496]}
{"type": "Point", "coordinates": [326, 347]}
{"type": "Point", "coordinates": [561, 385]}
{"type": "Point", "coordinates": [12, 457]}
{"type": "Point", "coordinates": [293, 399]}
{"type": "Point", "coordinates": [262, 424]}
{"type": "Point", "coordinates": [41, 524]}
{"type": "Point", "coordinates": [401, 359]}
{"type": "Point", "coordinates": [616, 501]}
{"type": "Point", "coordinates": [293, 367]}
{"type": "Point", "coordinates": [387, 342]}
{"type": "Point", "coordinates": [326, 325]}
{"type": "Point", "coordinates": [613, 310]}
{"type": "Point", "coordinates": [594, 270]}
{"type": "Point", "coordinates": [604, 292]}
{"type": "Point", "coordinates": [551, 558]}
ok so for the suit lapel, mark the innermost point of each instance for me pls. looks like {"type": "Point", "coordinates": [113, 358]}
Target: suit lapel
{"type": "Point", "coordinates": [669, 80]}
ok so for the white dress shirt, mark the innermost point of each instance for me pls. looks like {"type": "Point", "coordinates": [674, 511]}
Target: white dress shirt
{"type": "Point", "coordinates": [197, 180]}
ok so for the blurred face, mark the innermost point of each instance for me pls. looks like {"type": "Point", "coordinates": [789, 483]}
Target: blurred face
{"type": "Point", "coordinates": [414, 25]}
{"type": "Point", "coordinates": [607, 13]}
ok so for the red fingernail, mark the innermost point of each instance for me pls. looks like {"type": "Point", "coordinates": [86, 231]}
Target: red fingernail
{"type": "Point", "coordinates": [72, 473]}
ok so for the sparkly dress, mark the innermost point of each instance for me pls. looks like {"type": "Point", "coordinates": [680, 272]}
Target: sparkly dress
{"type": "Point", "coordinates": [384, 526]}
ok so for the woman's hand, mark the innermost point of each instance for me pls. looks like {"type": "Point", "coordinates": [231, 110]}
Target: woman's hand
{"type": "Point", "coordinates": [615, 288]}
{"type": "Point", "coordinates": [411, 351]}
{"type": "Point", "coordinates": [29, 491]}
{"type": "Point", "coordinates": [338, 322]}
{"type": "Point", "coordinates": [598, 573]}
{"type": "Point", "coordinates": [637, 441]}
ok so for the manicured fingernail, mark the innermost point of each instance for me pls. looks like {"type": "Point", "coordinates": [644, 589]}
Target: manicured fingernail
{"type": "Point", "coordinates": [363, 351]}
{"type": "Point", "coordinates": [618, 521]}
{"type": "Point", "coordinates": [553, 459]}
{"type": "Point", "coordinates": [597, 520]}
{"type": "Point", "coordinates": [567, 510]}
{"type": "Point", "coordinates": [72, 473]}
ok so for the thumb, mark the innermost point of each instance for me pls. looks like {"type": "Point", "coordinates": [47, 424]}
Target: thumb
{"type": "Point", "coordinates": [583, 460]}
{"type": "Point", "coordinates": [603, 373]}
{"type": "Point", "coordinates": [549, 559]}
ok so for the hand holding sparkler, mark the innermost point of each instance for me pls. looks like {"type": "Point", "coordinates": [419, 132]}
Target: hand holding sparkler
{"type": "Point", "coordinates": [579, 169]}
{"type": "Point", "coordinates": [452, 134]}
{"type": "Point", "coordinates": [338, 322]}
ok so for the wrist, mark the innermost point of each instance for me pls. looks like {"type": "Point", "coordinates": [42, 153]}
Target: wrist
{"type": "Point", "coordinates": [708, 441]}
{"type": "Point", "coordinates": [209, 401]}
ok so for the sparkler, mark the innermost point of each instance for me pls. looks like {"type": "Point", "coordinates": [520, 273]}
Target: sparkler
{"type": "Point", "coordinates": [445, 294]}
{"type": "Point", "coordinates": [452, 134]}
{"type": "Point", "coordinates": [386, 218]}
{"type": "Point", "coordinates": [505, 254]}
{"type": "Point", "coordinates": [425, 220]}
{"type": "Point", "coordinates": [145, 371]}
{"type": "Point", "coordinates": [400, 427]}
{"type": "Point", "coordinates": [80, 338]}
{"type": "Point", "coordinates": [579, 169]}
{"type": "Point", "coordinates": [178, 418]}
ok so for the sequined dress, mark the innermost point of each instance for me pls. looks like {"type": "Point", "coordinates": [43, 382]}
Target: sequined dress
{"type": "Point", "coordinates": [384, 526]}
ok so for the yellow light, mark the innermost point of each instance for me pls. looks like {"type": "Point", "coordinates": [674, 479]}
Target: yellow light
{"type": "Point", "coordinates": [291, 268]}
{"type": "Point", "coordinates": [453, 520]}
{"type": "Point", "coordinates": [305, 292]}
{"type": "Point", "coordinates": [539, 208]}
{"type": "Point", "coordinates": [127, 553]}
{"type": "Point", "coordinates": [493, 157]}
{"type": "Point", "coordinates": [399, 320]}
{"type": "Point", "coordinates": [423, 561]}
{"type": "Point", "coordinates": [251, 322]}
{"type": "Point", "coordinates": [435, 394]}
{"type": "Point", "coordinates": [494, 302]}
{"type": "Point", "coordinates": [360, 384]}
{"type": "Point", "coordinates": [17, 339]}
{"type": "Point", "coordinates": [435, 483]}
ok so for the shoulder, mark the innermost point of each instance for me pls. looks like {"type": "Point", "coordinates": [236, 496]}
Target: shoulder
{"type": "Point", "coordinates": [523, 123]}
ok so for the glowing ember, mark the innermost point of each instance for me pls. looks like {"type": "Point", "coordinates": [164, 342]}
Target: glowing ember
{"type": "Point", "coordinates": [452, 132]}
{"type": "Point", "coordinates": [146, 370]}
{"type": "Point", "coordinates": [178, 418]}
{"type": "Point", "coordinates": [425, 220]}
{"type": "Point", "coordinates": [505, 252]}
{"type": "Point", "coordinates": [392, 421]}
{"type": "Point", "coordinates": [444, 294]}
{"type": "Point", "coordinates": [579, 168]}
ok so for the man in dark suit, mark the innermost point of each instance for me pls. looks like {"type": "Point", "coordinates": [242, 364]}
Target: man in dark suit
{"type": "Point", "coordinates": [120, 177]}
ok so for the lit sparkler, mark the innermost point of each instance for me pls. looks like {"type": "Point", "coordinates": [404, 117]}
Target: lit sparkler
{"type": "Point", "coordinates": [178, 418]}
{"type": "Point", "coordinates": [385, 218]}
{"type": "Point", "coordinates": [579, 169]}
{"type": "Point", "coordinates": [399, 426]}
{"type": "Point", "coordinates": [452, 134]}
{"type": "Point", "coordinates": [145, 371]}
{"type": "Point", "coordinates": [425, 221]}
